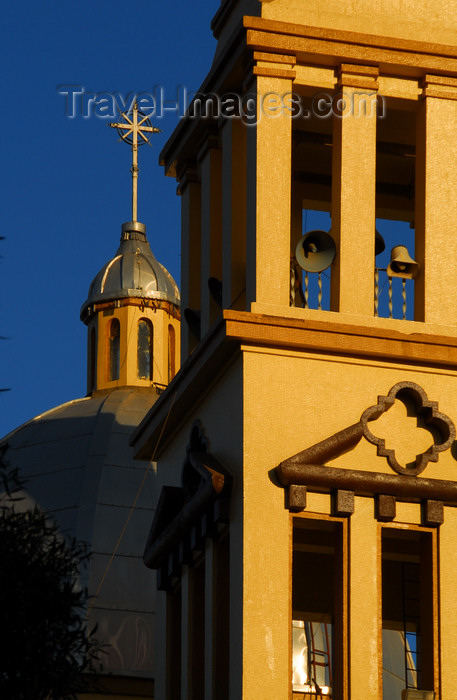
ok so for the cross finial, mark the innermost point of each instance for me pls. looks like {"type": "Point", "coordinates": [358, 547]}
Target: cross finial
{"type": "Point", "coordinates": [133, 131]}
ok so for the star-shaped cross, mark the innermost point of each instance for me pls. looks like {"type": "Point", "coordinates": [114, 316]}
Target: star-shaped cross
{"type": "Point", "coordinates": [133, 131]}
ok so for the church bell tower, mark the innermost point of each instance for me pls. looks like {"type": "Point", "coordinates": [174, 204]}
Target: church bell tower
{"type": "Point", "coordinates": [304, 539]}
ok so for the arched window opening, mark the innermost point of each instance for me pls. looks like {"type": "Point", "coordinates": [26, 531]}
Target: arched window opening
{"type": "Point", "coordinates": [171, 353]}
{"type": "Point", "coordinates": [92, 360]}
{"type": "Point", "coordinates": [114, 336]}
{"type": "Point", "coordinates": [145, 354]}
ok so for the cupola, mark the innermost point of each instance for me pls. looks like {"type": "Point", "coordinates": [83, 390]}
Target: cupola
{"type": "Point", "coordinates": [132, 308]}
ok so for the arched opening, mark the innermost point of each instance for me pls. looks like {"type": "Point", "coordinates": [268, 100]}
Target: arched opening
{"type": "Point", "coordinates": [145, 349]}
{"type": "Point", "coordinates": [114, 336]}
{"type": "Point", "coordinates": [92, 360]}
{"type": "Point", "coordinates": [171, 353]}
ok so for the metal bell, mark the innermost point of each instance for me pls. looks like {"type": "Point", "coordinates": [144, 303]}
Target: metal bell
{"type": "Point", "coordinates": [379, 243]}
{"type": "Point", "coordinates": [401, 264]}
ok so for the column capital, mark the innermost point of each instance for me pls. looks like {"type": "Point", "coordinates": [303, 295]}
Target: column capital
{"type": "Point", "coordinates": [265, 64]}
{"type": "Point", "coordinates": [188, 173]}
{"type": "Point", "coordinates": [274, 65]}
{"type": "Point", "coordinates": [352, 75]}
{"type": "Point", "coordinates": [210, 140]}
{"type": "Point", "coordinates": [440, 86]}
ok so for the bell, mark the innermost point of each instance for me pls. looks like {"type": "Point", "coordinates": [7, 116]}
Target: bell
{"type": "Point", "coordinates": [193, 320]}
{"type": "Point", "coordinates": [401, 264]}
{"type": "Point", "coordinates": [379, 244]}
{"type": "Point", "coordinates": [315, 251]}
{"type": "Point", "coordinates": [215, 288]}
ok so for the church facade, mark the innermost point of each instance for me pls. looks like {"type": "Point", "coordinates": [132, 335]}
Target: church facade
{"type": "Point", "coordinates": [305, 533]}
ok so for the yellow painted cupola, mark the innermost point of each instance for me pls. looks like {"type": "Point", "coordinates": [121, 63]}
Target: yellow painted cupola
{"type": "Point", "coordinates": [132, 308]}
{"type": "Point", "coordinates": [132, 315]}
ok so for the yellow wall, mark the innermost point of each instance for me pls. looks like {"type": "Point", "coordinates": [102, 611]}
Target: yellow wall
{"type": "Point", "coordinates": [275, 401]}
{"type": "Point", "coordinates": [301, 398]}
{"type": "Point", "coordinates": [267, 406]}
{"type": "Point", "coordinates": [129, 317]}
{"type": "Point", "coordinates": [423, 20]}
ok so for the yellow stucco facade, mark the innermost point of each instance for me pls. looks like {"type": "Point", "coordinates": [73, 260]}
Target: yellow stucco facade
{"type": "Point", "coordinates": [312, 424]}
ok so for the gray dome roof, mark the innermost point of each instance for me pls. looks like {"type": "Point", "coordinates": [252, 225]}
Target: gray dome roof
{"type": "Point", "coordinates": [78, 467]}
{"type": "Point", "coordinates": [133, 272]}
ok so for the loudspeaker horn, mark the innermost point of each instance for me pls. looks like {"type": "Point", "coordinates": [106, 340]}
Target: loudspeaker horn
{"type": "Point", "coordinates": [193, 320]}
{"type": "Point", "coordinates": [379, 243]}
{"type": "Point", "coordinates": [315, 251]}
{"type": "Point", "coordinates": [401, 263]}
{"type": "Point", "coordinates": [215, 288]}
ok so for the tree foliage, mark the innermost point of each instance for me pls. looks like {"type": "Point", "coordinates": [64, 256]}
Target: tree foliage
{"type": "Point", "coordinates": [46, 645]}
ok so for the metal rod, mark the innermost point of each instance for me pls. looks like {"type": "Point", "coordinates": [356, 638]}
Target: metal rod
{"type": "Point", "coordinates": [390, 299]}
{"type": "Point", "coordinates": [135, 168]}
{"type": "Point", "coordinates": [376, 291]}
{"type": "Point", "coordinates": [403, 293]}
{"type": "Point", "coordinates": [129, 130]}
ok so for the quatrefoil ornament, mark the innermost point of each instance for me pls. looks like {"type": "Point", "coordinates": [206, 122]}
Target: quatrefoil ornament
{"type": "Point", "coordinates": [441, 426]}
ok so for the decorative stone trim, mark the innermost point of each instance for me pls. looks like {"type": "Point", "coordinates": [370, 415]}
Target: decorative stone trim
{"type": "Point", "coordinates": [440, 86]}
{"type": "Point", "coordinates": [342, 503]}
{"type": "Point", "coordinates": [432, 513]}
{"type": "Point", "coordinates": [186, 515]}
{"type": "Point", "coordinates": [296, 498]}
{"type": "Point", "coordinates": [426, 410]}
{"type": "Point", "coordinates": [353, 75]}
{"type": "Point", "coordinates": [386, 507]}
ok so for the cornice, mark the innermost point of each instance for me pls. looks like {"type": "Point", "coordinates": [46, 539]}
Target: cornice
{"type": "Point", "coordinates": [223, 344]}
{"type": "Point", "coordinates": [332, 47]}
{"type": "Point", "coordinates": [331, 336]}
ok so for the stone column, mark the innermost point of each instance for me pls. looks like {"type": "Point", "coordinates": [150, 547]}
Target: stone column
{"type": "Point", "coordinates": [365, 609]}
{"type": "Point", "coordinates": [354, 189]}
{"type": "Point", "coordinates": [436, 202]}
{"type": "Point", "coordinates": [211, 227]}
{"type": "Point", "coordinates": [269, 147]}
{"type": "Point", "coordinates": [189, 188]}
{"type": "Point", "coordinates": [234, 213]}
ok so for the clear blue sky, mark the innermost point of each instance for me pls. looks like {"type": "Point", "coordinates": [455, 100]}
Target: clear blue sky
{"type": "Point", "coordinates": [66, 182]}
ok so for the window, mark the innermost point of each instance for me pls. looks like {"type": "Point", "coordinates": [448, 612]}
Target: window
{"type": "Point", "coordinates": [197, 609]}
{"type": "Point", "coordinates": [114, 334]}
{"type": "Point", "coordinates": [145, 349]}
{"type": "Point", "coordinates": [171, 353]}
{"type": "Point", "coordinates": [317, 604]}
{"type": "Point", "coordinates": [92, 360]}
{"type": "Point", "coordinates": [407, 611]}
{"type": "Point", "coordinates": [173, 644]}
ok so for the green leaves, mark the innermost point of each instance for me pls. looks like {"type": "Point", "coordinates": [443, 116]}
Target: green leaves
{"type": "Point", "coordinates": [42, 606]}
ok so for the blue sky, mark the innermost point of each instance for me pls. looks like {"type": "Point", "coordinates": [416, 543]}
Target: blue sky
{"type": "Point", "coordinates": [66, 181]}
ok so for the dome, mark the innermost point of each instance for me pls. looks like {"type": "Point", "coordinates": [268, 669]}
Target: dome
{"type": "Point", "coordinates": [133, 272]}
{"type": "Point", "coordinates": [79, 468]}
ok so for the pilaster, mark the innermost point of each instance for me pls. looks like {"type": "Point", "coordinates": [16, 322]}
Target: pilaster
{"type": "Point", "coordinates": [190, 191]}
{"type": "Point", "coordinates": [436, 203]}
{"type": "Point", "coordinates": [269, 146]}
{"type": "Point", "coordinates": [210, 158]}
{"type": "Point", "coordinates": [354, 189]}
{"type": "Point", "coordinates": [234, 213]}
{"type": "Point", "coordinates": [364, 603]}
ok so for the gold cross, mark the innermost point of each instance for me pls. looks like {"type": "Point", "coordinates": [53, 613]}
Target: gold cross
{"type": "Point", "coordinates": [129, 131]}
